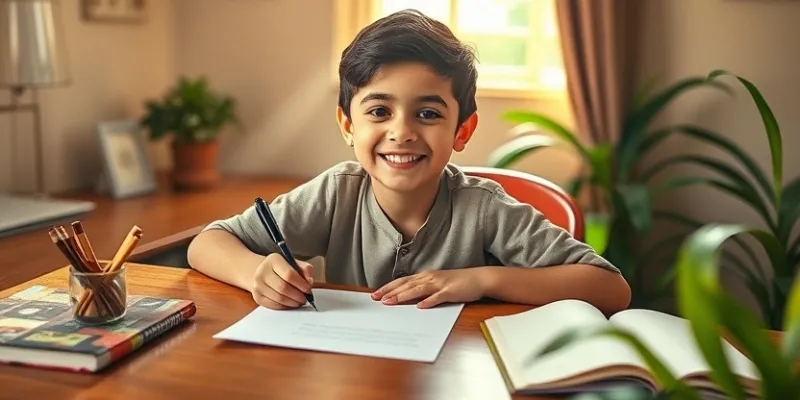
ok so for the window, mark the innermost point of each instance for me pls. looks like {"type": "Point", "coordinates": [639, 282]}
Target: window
{"type": "Point", "coordinates": [516, 41]}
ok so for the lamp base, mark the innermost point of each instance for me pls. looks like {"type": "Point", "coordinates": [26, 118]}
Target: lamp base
{"type": "Point", "coordinates": [20, 214]}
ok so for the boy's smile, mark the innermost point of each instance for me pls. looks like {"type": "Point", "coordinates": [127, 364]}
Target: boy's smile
{"type": "Point", "coordinates": [403, 128]}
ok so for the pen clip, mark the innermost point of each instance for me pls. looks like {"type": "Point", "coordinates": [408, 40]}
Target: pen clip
{"type": "Point", "coordinates": [269, 220]}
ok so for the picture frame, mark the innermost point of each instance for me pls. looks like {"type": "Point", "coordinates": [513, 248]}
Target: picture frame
{"type": "Point", "coordinates": [115, 11]}
{"type": "Point", "coordinates": [127, 170]}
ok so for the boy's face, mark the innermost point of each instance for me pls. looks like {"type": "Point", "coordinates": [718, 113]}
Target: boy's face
{"type": "Point", "coordinates": [403, 126]}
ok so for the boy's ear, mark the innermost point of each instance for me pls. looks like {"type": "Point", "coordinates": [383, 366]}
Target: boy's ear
{"type": "Point", "coordinates": [345, 126]}
{"type": "Point", "coordinates": [465, 132]}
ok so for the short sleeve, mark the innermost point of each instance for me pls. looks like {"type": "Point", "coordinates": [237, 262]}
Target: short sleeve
{"type": "Point", "coordinates": [304, 215]}
{"type": "Point", "coordinates": [517, 234]}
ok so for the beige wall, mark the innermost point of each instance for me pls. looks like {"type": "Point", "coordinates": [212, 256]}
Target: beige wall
{"type": "Point", "coordinates": [113, 68]}
{"type": "Point", "coordinates": [755, 39]}
{"type": "Point", "coordinates": [275, 58]}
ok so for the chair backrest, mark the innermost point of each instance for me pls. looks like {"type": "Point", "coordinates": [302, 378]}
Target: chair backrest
{"type": "Point", "coordinates": [555, 203]}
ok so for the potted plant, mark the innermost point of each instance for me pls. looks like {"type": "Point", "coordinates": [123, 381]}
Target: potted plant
{"type": "Point", "coordinates": [620, 212]}
{"type": "Point", "coordinates": [194, 116]}
{"type": "Point", "coordinates": [777, 204]}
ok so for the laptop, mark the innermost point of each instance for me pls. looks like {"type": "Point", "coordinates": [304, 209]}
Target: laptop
{"type": "Point", "coordinates": [22, 214]}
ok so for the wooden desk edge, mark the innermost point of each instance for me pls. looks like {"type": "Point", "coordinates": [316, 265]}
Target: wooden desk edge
{"type": "Point", "coordinates": [165, 243]}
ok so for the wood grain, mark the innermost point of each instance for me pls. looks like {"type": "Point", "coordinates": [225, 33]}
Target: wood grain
{"type": "Point", "coordinates": [189, 363]}
{"type": "Point", "coordinates": [28, 255]}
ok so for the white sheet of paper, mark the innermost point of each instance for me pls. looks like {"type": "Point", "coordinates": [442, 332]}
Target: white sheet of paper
{"type": "Point", "coordinates": [351, 323]}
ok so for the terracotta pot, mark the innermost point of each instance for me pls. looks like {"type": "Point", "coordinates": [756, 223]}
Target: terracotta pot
{"type": "Point", "coordinates": [195, 165]}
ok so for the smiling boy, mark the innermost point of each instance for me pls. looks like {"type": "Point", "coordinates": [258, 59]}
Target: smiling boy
{"type": "Point", "coordinates": [403, 220]}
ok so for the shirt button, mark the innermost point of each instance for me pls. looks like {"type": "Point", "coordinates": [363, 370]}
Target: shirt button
{"type": "Point", "coordinates": [403, 251]}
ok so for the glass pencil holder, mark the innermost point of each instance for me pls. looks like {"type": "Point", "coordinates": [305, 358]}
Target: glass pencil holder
{"type": "Point", "coordinates": [98, 298]}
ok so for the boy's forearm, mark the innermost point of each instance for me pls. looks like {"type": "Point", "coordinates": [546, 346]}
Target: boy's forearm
{"type": "Point", "coordinates": [222, 256]}
{"type": "Point", "coordinates": [606, 290]}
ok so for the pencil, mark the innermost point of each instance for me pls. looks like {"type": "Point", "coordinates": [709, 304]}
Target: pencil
{"type": "Point", "coordinates": [125, 249]}
{"type": "Point", "coordinates": [127, 246]}
{"type": "Point", "coordinates": [85, 246]}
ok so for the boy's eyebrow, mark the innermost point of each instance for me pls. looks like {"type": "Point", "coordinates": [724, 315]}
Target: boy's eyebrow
{"type": "Point", "coordinates": [429, 98]}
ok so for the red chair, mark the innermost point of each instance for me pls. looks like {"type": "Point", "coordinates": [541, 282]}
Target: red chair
{"type": "Point", "coordinates": [555, 203]}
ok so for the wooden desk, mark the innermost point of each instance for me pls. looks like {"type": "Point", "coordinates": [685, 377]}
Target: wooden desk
{"type": "Point", "coordinates": [188, 363]}
{"type": "Point", "coordinates": [164, 214]}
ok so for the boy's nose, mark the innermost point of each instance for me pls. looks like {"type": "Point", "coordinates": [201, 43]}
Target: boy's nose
{"type": "Point", "coordinates": [402, 132]}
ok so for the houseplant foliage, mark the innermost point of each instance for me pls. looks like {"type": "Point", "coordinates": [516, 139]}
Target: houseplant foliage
{"type": "Point", "coordinates": [710, 311]}
{"type": "Point", "coordinates": [778, 206]}
{"type": "Point", "coordinates": [193, 115]}
{"type": "Point", "coordinates": [623, 213]}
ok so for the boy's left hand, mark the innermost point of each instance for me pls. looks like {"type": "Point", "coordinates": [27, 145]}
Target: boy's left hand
{"type": "Point", "coordinates": [434, 288]}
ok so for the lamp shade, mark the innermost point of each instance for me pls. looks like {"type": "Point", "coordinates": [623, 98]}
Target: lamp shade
{"type": "Point", "coordinates": [32, 50]}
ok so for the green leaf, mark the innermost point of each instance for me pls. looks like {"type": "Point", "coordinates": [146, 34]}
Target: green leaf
{"type": "Point", "coordinates": [189, 111]}
{"type": "Point", "coordinates": [630, 155]}
{"type": "Point", "coordinates": [772, 130]}
{"type": "Point", "coordinates": [640, 95]}
{"type": "Point", "coordinates": [761, 293]}
{"type": "Point", "coordinates": [597, 231]}
{"type": "Point", "coordinates": [548, 124]}
{"type": "Point", "coordinates": [636, 123]}
{"type": "Point", "coordinates": [601, 166]}
{"type": "Point", "coordinates": [791, 323]}
{"type": "Point", "coordinates": [702, 301]}
{"type": "Point", "coordinates": [660, 372]}
{"type": "Point", "coordinates": [737, 192]}
{"type": "Point", "coordinates": [575, 185]}
{"type": "Point", "coordinates": [789, 213]}
{"type": "Point", "coordinates": [738, 181]}
{"type": "Point", "coordinates": [637, 204]}
{"type": "Point", "coordinates": [723, 143]}
{"type": "Point", "coordinates": [510, 152]}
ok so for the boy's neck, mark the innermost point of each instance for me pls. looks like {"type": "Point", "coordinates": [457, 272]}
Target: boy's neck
{"type": "Point", "coordinates": [407, 211]}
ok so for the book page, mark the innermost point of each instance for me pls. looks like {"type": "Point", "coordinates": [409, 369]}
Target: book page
{"type": "Point", "coordinates": [351, 323]}
{"type": "Point", "coordinates": [519, 337]}
{"type": "Point", "coordinates": [670, 338]}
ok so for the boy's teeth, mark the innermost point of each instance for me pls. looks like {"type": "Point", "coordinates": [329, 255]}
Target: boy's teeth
{"type": "Point", "coordinates": [401, 159]}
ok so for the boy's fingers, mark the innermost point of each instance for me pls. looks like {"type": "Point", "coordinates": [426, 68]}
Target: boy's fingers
{"type": "Point", "coordinates": [391, 288]}
{"type": "Point", "coordinates": [266, 302]}
{"type": "Point", "coordinates": [412, 293]}
{"type": "Point", "coordinates": [283, 300]}
{"type": "Point", "coordinates": [284, 271]}
{"type": "Point", "coordinates": [433, 300]}
{"type": "Point", "coordinates": [308, 271]}
{"type": "Point", "coordinates": [285, 290]}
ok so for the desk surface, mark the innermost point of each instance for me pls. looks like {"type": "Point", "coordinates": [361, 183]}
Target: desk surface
{"type": "Point", "coordinates": [160, 214]}
{"type": "Point", "coordinates": [187, 362]}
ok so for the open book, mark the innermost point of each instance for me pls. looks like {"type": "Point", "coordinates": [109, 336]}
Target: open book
{"type": "Point", "coordinates": [598, 363]}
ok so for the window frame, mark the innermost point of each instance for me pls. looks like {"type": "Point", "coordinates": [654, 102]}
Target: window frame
{"type": "Point", "coordinates": [349, 17]}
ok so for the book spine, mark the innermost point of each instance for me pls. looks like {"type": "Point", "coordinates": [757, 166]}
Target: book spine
{"type": "Point", "coordinates": [147, 335]}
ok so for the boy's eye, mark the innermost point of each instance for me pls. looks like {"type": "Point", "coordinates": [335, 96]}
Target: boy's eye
{"type": "Point", "coordinates": [379, 112]}
{"type": "Point", "coordinates": [429, 114]}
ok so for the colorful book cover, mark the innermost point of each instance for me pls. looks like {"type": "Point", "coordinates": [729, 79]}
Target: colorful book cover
{"type": "Point", "coordinates": [37, 329]}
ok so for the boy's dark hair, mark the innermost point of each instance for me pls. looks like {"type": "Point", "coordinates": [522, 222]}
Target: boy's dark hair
{"type": "Point", "coordinates": [403, 36]}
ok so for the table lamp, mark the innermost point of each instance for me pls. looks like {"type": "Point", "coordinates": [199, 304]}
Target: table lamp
{"type": "Point", "coordinates": [32, 55]}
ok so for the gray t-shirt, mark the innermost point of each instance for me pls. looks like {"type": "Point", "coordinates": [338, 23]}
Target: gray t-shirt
{"type": "Point", "coordinates": [473, 222]}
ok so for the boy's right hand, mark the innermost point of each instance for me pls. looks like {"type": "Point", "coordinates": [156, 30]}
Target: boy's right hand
{"type": "Point", "coordinates": [278, 286]}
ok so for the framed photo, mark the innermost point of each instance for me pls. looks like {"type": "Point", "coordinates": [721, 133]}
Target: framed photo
{"type": "Point", "coordinates": [122, 11]}
{"type": "Point", "coordinates": [127, 170]}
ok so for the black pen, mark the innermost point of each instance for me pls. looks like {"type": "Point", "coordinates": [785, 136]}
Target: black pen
{"type": "Point", "coordinates": [264, 213]}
